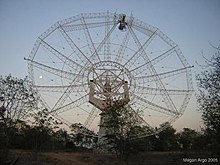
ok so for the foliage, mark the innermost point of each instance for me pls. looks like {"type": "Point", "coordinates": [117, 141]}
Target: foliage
{"type": "Point", "coordinates": [41, 131]}
{"type": "Point", "coordinates": [166, 140]}
{"type": "Point", "coordinates": [209, 100]}
{"type": "Point", "coordinates": [40, 135]}
{"type": "Point", "coordinates": [18, 99]}
{"type": "Point", "coordinates": [121, 125]}
{"type": "Point", "coordinates": [83, 137]}
{"type": "Point", "coordinates": [187, 139]}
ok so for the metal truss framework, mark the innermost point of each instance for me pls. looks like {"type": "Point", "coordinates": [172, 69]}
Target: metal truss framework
{"type": "Point", "coordinates": [76, 50]}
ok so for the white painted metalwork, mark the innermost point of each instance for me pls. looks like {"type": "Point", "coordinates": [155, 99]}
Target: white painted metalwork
{"type": "Point", "coordinates": [83, 64]}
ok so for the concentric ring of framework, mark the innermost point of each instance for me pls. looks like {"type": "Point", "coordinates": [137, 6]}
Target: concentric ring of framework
{"type": "Point", "coordinates": [67, 55]}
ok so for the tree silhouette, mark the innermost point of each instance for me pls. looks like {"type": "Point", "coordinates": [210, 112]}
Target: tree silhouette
{"type": "Point", "coordinates": [83, 137]}
{"type": "Point", "coordinates": [187, 139]}
{"type": "Point", "coordinates": [122, 124]}
{"type": "Point", "coordinates": [166, 139]}
{"type": "Point", "coordinates": [209, 100]}
{"type": "Point", "coordinates": [18, 100]}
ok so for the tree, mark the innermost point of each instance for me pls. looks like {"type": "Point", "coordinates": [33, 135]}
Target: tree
{"type": "Point", "coordinates": [187, 139]}
{"type": "Point", "coordinates": [209, 100]}
{"type": "Point", "coordinates": [63, 141]}
{"type": "Point", "coordinates": [122, 124]}
{"type": "Point", "coordinates": [166, 139]}
{"type": "Point", "coordinates": [83, 137]}
{"type": "Point", "coordinates": [19, 100]}
{"type": "Point", "coordinates": [40, 132]}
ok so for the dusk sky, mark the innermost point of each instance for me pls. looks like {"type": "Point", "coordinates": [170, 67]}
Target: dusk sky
{"type": "Point", "coordinates": [192, 24]}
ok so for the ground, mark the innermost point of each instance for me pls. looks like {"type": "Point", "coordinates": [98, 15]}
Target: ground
{"type": "Point", "coordinates": [91, 158]}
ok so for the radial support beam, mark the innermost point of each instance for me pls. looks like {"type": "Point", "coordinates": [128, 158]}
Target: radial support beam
{"type": "Point", "coordinates": [156, 59]}
{"type": "Point", "coordinates": [122, 48]}
{"type": "Point", "coordinates": [157, 91]}
{"type": "Point", "coordinates": [156, 107]}
{"type": "Point", "coordinates": [77, 27]}
{"type": "Point", "coordinates": [130, 62]}
{"type": "Point", "coordinates": [166, 97]}
{"type": "Point", "coordinates": [106, 41]}
{"type": "Point", "coordinates": [71, 105]}
{"type": "Point", "coordinates": [140, 119]}
{"type": "Point", "coordinates": [163, 75]}
{"type": "Point", "coordinates": [90, 42]}
{"type": "Point", "coordinates": [54, 71]}
{"type": "Point", "coordinates": [94, 112]}
{"type": "Point", "coordinates": [84, 59]}
{"type": "Point", "coordinates": [140, 52]}
{"type": "Point", "coordinates": [185, 102]}
{"type": "Point", "coordinates": [107, 49]}
{"type": "Point", "coordinates": [74, 88]}
{"type": "Point", "coordinates": [61, 56]}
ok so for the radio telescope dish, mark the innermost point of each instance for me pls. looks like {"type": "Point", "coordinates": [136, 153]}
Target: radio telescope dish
{"type": "Point", "coordinates": [80, 62]}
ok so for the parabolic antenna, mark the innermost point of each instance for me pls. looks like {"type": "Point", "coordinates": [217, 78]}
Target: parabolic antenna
{"type": "Point", "coordinates": [83, 64]}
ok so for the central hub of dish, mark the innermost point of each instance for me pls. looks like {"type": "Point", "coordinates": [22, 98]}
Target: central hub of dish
{"type": "Point", "coordinates": [108, 85]}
